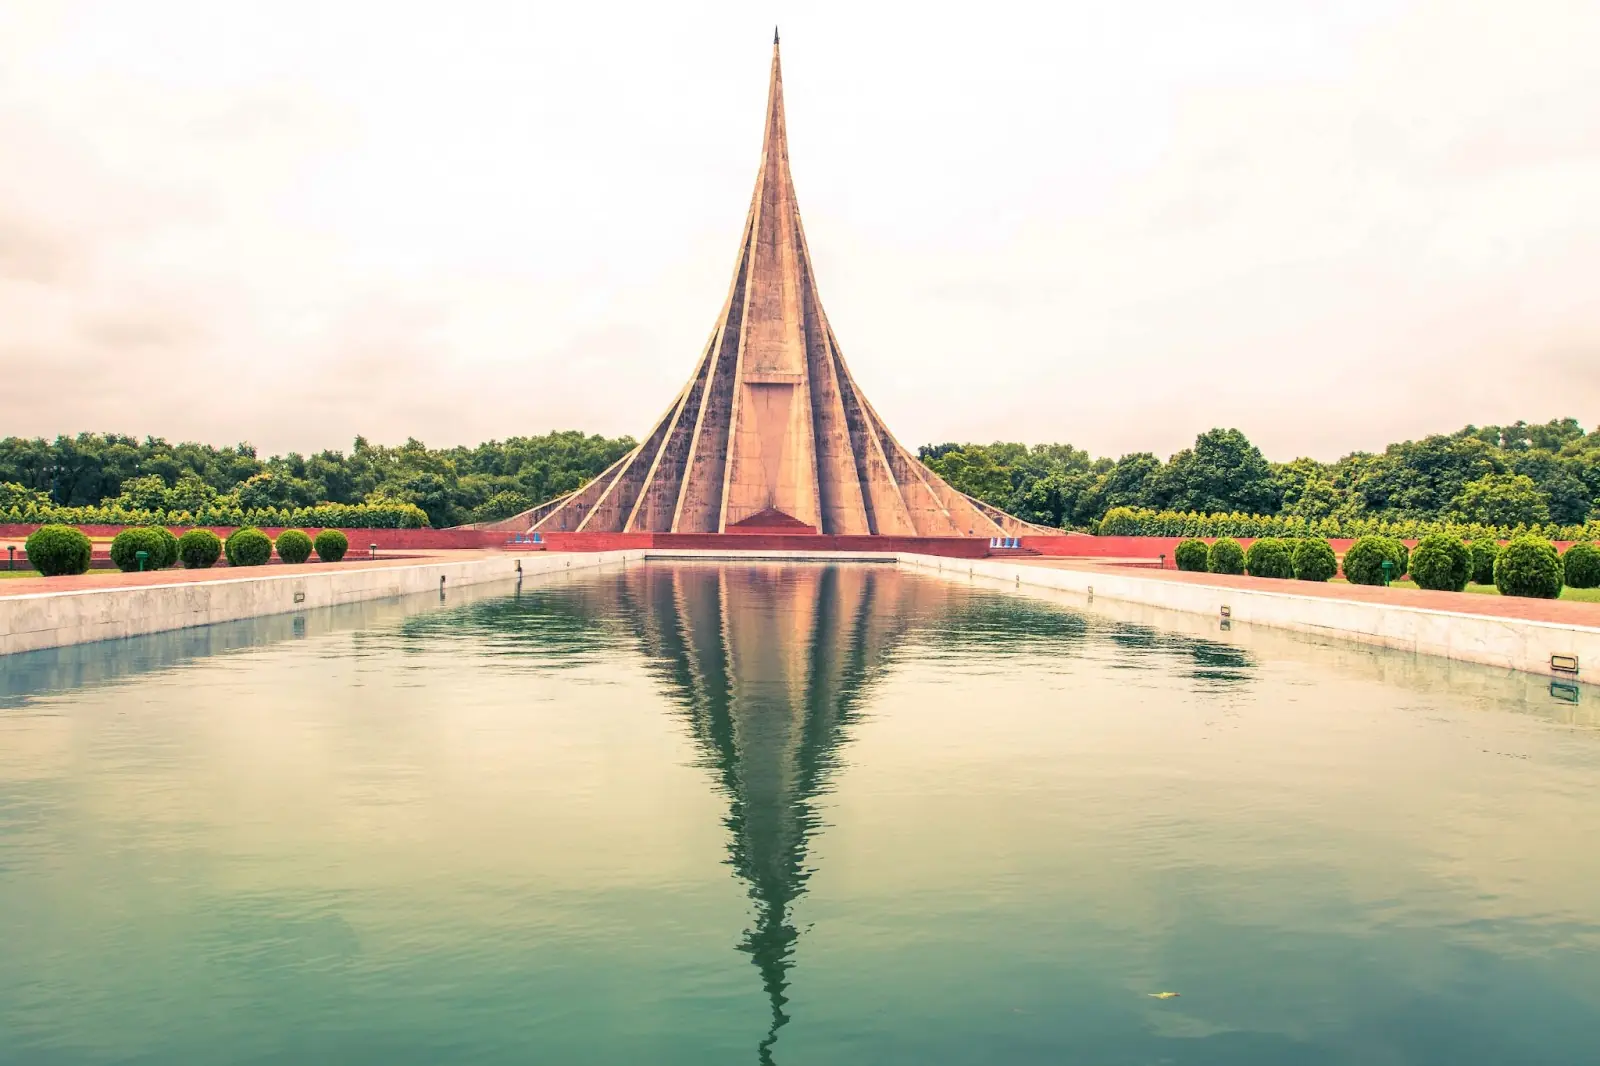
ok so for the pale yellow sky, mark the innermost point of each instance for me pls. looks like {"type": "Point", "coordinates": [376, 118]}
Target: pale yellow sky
{"type": "Point", "coordinates": [1331, 225]}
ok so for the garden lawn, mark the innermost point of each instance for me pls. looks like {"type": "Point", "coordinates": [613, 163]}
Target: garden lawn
{"type": "Point", "coordinates": [1578, 595]}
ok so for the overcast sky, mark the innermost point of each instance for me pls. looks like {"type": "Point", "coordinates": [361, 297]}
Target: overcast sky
{"type": "Point", "coordinates": [1331, 225]}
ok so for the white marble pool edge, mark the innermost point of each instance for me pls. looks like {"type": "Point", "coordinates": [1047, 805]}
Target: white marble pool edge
{"type": "Point", "coordinates": [1535, 647]}
{"type": "Point", "coordinates": [55, 619]}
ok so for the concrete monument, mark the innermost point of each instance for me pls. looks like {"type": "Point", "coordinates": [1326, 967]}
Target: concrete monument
{"type": "Point", "coordinates": [771, 433]}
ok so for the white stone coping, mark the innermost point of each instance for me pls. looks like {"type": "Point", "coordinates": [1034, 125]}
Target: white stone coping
{"type": "Point", "coordinates": [762, 555]}
{"type": "Point", "coordinates": [1514, 643]}
{"type": "Point", "coordinates": [54, 619]}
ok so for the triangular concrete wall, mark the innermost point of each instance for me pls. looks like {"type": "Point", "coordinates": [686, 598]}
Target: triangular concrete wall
{"type": "Point", "coordinates": [771, 419]}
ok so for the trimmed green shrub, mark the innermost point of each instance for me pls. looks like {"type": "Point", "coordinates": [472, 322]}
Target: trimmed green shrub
{"type": "Point", "coordinates": [1484, 553]}
{"type": "Point", "coordinates": [247, 547]}
{"type": "Point", "coordinates": [1363, 563]}
{"type": "Point", "coordinates": [1191, 554]}
{"type": "Point", "coordinates": [331, 545]}
{"type": "Point", "coordinates": [1441, 562]}
{"type": "Point", "coordinates": [169, 546]}
{"type": "Point", "coordinates": [199, 548]}
{"type": "Point", "coordinates": [1581, 566]}
{"type": "Point", "coordinates": [1314, 560]}
{"type": "Point", "coordinates": [1269, 557]}
{"type": "Point", "coordinates": [1225, 557]}
{"type": "Point", "coordinates": [58, 550]}
{"type": "Point", "coordinates": [127, 545]}
{"type": "Point", "coordinates": [293, 546]}
{"type": "Point", "coordinates": [1528, 566]}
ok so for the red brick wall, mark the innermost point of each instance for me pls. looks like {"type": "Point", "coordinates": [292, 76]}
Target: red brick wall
{"type": "Point", "coordinates": [959, 547]}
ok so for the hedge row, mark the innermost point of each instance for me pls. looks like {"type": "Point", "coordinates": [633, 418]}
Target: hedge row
{"type": "Point", "coordinates": [54, 550]}
{"type": "Point", "coordinates": [1526, 566]}
{"type": "Point", "coordinates": [1308, 560]}
{"type": "Point", "coordinates": [343, 515]}
{"type": "Point", "coordinates": [1143, 522]}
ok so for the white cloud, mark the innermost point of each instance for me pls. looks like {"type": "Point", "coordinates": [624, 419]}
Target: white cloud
{"type": "Point", "coordinates": [1329, 225]}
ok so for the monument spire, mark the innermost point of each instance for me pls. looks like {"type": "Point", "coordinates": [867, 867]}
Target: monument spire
{"type": "Point", "coordinates": [771, 431]}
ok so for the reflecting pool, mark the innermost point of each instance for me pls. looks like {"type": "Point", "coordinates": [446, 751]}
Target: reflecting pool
{"type": "Point", "coordinates": [698, 813]}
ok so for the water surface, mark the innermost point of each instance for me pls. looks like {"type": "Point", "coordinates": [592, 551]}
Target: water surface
{"type": "Point", "coordinates": [805, 814]}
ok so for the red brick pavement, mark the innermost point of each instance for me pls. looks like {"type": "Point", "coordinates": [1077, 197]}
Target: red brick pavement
{"type": "Point", "coordinates": [104, 579]}
{"type": "Point", "coordinates": [1564, 612]}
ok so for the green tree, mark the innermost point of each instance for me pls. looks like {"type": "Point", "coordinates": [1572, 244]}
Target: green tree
{"type": "Point", "coordinates": [191, 493]}
{"type": "Point", "coordinates": [1222, 472]}
{"type": "Point", "coordinates": [1311, 489]}
{"type": "Point", "coordinates": [975, 473]}
{"type": "Point", "coordinates": [1501, 500]}
{"type": "Point", "coordinates": [501, 505]}
{"type": "Point", "coordinates": [1053, 499]}
{"type": "Point", "coordinates": [1419, 479]}
{"type": "Point", "coordinates": [144, 493]}
{"type": "Point", "coordinates": [1125, 484]}
{"type": "Point", "coordinates": [19, 496]}
{"type": "Point", "coordinates": [1560, 480]}
{"type": "Point", "coordinates": [269, 489]}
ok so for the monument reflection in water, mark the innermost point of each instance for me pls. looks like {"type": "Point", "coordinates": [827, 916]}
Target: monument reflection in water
{"type": "Point", "coordinates": [770, 666]}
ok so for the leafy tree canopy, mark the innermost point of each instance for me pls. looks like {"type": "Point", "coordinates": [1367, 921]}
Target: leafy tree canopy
{"type": "Point", "coordinates": [453, 485]}
{"type": "Point", "coordinates": [1421, 480]}
{"type": "Point", "coordinates": [1495, 475]}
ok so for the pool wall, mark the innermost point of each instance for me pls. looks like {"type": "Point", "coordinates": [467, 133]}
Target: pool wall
{"type": "Point", "coordinates": [1517, 644]}
{"type": "Point", "coordinates": [54, 619]}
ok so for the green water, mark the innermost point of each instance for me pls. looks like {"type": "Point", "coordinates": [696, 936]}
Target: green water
{"type": "Point", "coordinates": [695, 814]}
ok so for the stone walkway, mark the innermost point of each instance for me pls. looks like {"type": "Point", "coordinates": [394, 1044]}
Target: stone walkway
{"type": "Point", "coordinates": [115, 579]}
{"type": "Point", "coordinates": [1561, 612]}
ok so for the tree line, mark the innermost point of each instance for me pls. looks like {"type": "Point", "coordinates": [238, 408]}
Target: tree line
{"type": "Point", "coordinates": [1503, 476]}
{"type": "Point", "coordinates": [452, 486]}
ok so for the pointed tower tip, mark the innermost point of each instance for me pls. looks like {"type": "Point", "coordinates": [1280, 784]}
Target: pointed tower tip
{"type": "Point", "coordinates": [774, 35]}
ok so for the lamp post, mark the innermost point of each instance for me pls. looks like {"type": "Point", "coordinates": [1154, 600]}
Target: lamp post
{"type": "Point", "coordinates": [12, 548]}
{"type": "Point", "coordinates": [1388, 568]}
{"type": "Point", "coordinates": [1163, 558]}
{"type": "Point", "coordinates": [372, 549]}
{"type": "Point", "coordinates": [141, 556]}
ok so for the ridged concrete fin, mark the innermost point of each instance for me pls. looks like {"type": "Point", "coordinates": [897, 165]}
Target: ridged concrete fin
{"type": "Point", "coordinates": [659, 498]}
{"type": "Point", "coordinates": [576, 506]}
{"type": "Point", "coordinates": [610, 512]}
